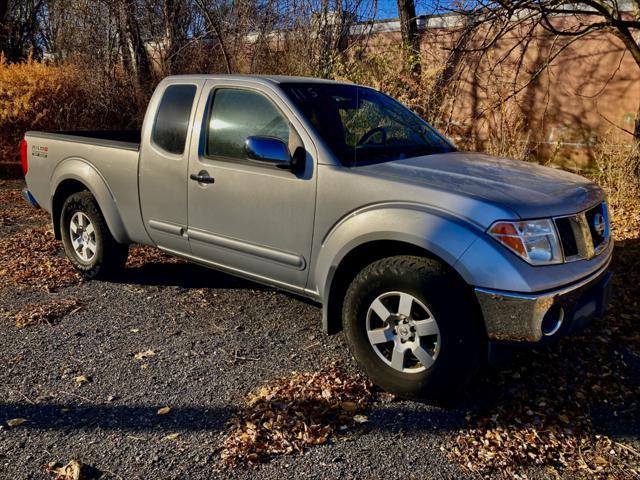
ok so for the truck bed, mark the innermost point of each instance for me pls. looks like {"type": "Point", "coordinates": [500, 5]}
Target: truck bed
{"type": "Point", "coordinates": [124, 139]}
{"type": "Point", "coordinates": [107, 163]}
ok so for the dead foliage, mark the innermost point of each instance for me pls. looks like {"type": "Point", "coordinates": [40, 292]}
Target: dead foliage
{"type": "Point", "coordinates": [14, 210]}
{"type": "Point", "coordinates": [74, 470]}
{"type": "Point", "coordinates": [16, 422]}
{"type": "Point", "coordinates": [33, 257]}
{"type": "Point", "coordinates": [626, 217]}
{"type": "Point", "coordinates": [46, 96]}
{"type": "Point", "coordinates": [289, 414]}
{"type": "Point", "coordinates": [551, 405]}
{"type": "Point", "coordinates": [141, 255]}
{"type": "Point", "coordinates": [46, 313]}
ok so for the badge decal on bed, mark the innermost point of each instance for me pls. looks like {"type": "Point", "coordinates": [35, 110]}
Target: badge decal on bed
{"type": "Point", "coordinates": [39, 151]}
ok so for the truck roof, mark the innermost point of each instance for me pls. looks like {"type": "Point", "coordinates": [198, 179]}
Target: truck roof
{"type": "Point", "coordinates": [257, 78]}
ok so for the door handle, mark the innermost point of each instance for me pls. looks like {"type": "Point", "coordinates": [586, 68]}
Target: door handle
{"type": "Point", "coordinates": [202, 177]}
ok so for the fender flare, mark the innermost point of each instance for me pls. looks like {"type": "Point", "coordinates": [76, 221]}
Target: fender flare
{"type": "Point", "coordinates": [80, 170]}
{"type": "Point", "coordinates": [437, 232]}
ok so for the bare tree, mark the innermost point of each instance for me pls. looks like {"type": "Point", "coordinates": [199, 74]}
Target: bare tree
{"type": "Point", "coordinates": [410, 35]}
{"type": "Point", "coordinates": [215, 13]}
{"type": "Point", "coordinates": [142, 65]}
{"type": "Point", "coordinates": [19, 28]}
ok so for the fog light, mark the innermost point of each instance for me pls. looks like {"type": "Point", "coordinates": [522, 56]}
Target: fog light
{"type": "Point", "coordinates": [552, 320]}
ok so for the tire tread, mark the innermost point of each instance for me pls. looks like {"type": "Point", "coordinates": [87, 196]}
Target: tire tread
{"type": "Point", "coordinates": [113, 255]}
{"type": "Point", "coordinates": [452, 373]}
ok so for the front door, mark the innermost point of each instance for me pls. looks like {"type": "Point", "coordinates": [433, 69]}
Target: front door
{"type": "Point", "coordinates": [250, 217]}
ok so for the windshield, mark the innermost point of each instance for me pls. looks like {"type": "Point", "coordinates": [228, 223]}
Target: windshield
{"type": "Point", "coordinates": [361, 125]}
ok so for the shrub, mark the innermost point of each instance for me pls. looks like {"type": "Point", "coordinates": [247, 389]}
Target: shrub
{"type": "Point", "coordinates": [39, 96]}
{"type": "Point", "coordinates": [617, 169]}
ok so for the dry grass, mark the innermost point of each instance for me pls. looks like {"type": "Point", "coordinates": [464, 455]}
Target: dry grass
{"type": "Point", "coordinates": [384, 70]}
{"type": "Point", "coordinates": [617, 168]}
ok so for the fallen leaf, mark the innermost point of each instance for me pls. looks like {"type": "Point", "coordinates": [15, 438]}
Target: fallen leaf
{"type": "Point", "coordinates": [31, 257]}
{"type": "Point", "coordinates": [81, 379]}
{"type": "Point", "coordinates": [143, 355]}
{"type": "Point", "coordinates": [172, 436]}
{"type": "Point", "coordinates": [564, 419]}
{"type": "Point", "coordinates": [70, 471]}
{"type": "Point", "coordinates": [163, 411]}
{"type": "Point", "coordinates": [348, 406]}
{"type": "Point", "coordinates": [14, 422]}
{"type": "Point", "coordinates": [360, 418]}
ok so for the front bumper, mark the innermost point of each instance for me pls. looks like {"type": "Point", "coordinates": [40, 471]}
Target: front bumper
{"type": "Point", "coordinates": [522, 317]}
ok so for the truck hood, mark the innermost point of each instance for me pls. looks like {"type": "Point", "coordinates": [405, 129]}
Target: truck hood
{"type": "Point", "coordinates": [528, 189]}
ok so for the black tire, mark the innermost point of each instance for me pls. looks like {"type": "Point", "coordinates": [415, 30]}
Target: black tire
{"type": "Point", "coordinates": [462, 340]}
{"type": "Point", "coordinates": [109, 256]}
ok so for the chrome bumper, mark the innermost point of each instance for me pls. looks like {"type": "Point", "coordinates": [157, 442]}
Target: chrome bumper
{"type": "Point", "coordinates": [522, 317]}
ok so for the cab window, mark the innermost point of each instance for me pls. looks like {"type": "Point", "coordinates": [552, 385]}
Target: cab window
{"type": "Point", "coordinates": [172, 119]}
{"type": "Point", "coordinates": [237, 114]}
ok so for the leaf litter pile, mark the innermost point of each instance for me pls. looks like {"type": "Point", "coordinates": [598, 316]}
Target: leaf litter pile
{"type": "Point", "coordinates": [287, 415]}
{"type": "Point", "coordinates": [143, 255]}
{"type": "Point", "coordinates": [14, 210]}
{"type": "Point", "coordinates": [31, 256]}
{"type": "Point", "coordinates": [34, 258]}
{"type": "Point", "coordinates": [552, 407]}
{"type": "Point", "coordinates": [46, 313]}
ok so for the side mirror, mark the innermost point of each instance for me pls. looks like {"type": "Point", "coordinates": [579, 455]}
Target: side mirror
{"type": "Point", "coordinates": [268, 149]}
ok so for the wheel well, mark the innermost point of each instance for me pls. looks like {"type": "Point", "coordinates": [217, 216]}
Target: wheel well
{"type": "Point", "coordinates": [64, 191]}
{"type": "Point", "coordinates": [354, 262]}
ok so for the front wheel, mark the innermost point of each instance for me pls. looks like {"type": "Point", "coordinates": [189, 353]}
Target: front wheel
{"type": "Point", "coordinates": [412, 327]}
{"type": "Point", "coordinates": [87, 241]}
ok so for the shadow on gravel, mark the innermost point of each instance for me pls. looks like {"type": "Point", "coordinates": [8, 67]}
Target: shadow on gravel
{"type": "Point", "coordinates": [55, 416]}
{"type": "Point", "coordinates": [190, 275]}
{"type": "Point", "coordinates": [186, 275]}
{"type": "Point", "coordinates": [403, 419]}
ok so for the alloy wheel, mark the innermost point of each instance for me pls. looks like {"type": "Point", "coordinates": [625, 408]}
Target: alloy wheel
{"type": "Point", "coordinates": [403, 332]}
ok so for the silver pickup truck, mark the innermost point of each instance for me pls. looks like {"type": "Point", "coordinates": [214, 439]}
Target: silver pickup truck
{"type": "Point", "coordinates": [424, 255]}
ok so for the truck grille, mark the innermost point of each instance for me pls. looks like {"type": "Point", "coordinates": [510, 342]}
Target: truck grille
{"type": "Point", "coordinates": [585, 234]}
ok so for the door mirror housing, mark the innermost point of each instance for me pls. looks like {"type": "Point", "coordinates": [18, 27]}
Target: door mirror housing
{"type": "Point", "coordinates": [268, 149]}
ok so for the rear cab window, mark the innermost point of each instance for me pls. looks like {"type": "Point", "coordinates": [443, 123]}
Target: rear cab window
{"type": "Point", "coordinates": [172, 118]}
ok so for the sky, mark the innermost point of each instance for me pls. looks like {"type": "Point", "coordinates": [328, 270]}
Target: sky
{"type": "Point", "coordinates": [389, 8]}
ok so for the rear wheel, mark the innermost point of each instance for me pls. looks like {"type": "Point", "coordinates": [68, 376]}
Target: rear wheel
{"type": "Point", "coordinates": [412, 327]}
{"type": "Point", "coordinates": [87, 241]}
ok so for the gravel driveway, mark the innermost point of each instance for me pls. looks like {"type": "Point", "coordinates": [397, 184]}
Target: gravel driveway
{"type": "Point", "coordinates": [89, 382]}
{"type": "Point", "coordinates": [214, 338]}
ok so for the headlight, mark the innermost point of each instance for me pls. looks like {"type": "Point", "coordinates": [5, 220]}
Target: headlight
{"type": "Point", "coordinates": [536, 241]}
